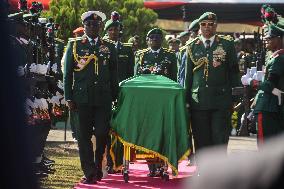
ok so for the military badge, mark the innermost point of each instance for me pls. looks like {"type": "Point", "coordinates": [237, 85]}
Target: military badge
{"type": "Point", "coordinates": [104, 49]}
{"type": "Point", "coordinates": [219, 55]}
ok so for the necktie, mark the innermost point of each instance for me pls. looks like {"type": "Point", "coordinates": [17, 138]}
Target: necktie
{"type": "Point", "coordinates": [207, 44]}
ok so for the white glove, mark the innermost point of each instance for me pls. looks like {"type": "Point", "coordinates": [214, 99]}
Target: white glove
{"type": "Point", "coordinates": [246, 79]}
{"type": "Point", "coordinates": [30, 103]}
{"type": "Point", "coordinates": [258, 75]}
{"type": "Point", "coordinates": [58, 94]}
{"type": "Point", "coordinates": [252, 71]}
{"type": "Point", "coordinates": [60, 84]}
{"type": "Point", "coordinates": [55, 100]}
{"type": "Point", "coordinates": [41, 69]}
{"type": "Point", "coordinates": [63, 102]}
{"type": "Point", "coordinates": [54, 68]}
{"type": "Point", "coordinates": [277, 93]}
{"type": "Point", "coordinates": [44, 104]}
{"type": "Point", "coordinates": [37, 103]}
{"type": "Point", "coordinates": [33, 68]}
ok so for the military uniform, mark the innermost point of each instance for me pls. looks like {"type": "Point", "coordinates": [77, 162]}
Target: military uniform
{"type": "Point", "coordinates": [269, 109]}
{"type": "Point", "coordinates": [90, 80]}
{"type": "Point", "coordinates": [193, 27]}
{"type": "Point", "coordinates": [163, 63]}
{"type": "Point", "coordinates": [211, 74]}
{"type": "Point", "coordinates": [125, 69]}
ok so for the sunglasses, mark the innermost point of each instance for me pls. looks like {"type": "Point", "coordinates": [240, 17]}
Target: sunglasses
{"type": "Point", "coordinates": [207, 24]}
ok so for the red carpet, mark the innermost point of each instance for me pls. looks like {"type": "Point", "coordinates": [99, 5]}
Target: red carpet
{"type": "Point", "coordinates": [138, 179]}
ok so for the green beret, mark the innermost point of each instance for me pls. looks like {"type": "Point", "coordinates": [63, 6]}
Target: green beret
{"type": "Point", "coordinates": [155, 31]}
{"type": "Point", "coordinates": [194, 25]}
{"type": "Point", "coordinates": [208, 16]}
{"type": "Point", "coordinates": [181, 34]}
{"type": "Point", "coordinates": [111, 23]}
{"type": "Point", "coordinates": [132, 39]}
{"type": "Point", "coordinates": [274, 31]}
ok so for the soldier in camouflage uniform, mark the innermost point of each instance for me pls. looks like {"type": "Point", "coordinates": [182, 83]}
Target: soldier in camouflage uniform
{"type": "Point", "coordinates": [90, 85]}
{"type": "Point", "coordinates": [212, 71]}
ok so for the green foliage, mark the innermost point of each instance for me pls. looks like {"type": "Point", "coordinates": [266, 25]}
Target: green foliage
{"type": "Point", "coordinates": [135, 18]}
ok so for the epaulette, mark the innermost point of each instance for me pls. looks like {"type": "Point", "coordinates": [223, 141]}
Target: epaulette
{"type": "Point", "coordinates": [128, 44]}
{"type": "Point", "coordinates": [139, 52]}
{"type": "Point", "coordinates": [278, 53]}
{"type": "Point", "coordinates": [183, 48]}
{"type": "Point", "coordinates": [108, 40]}
{"type": "Point", "coordinates": [59, 40]}
{"type": "Point", "coordinates": [168, 50]}
{"type": "Point", "coordinates": [75, 39]}
{"type": "Point", "coordinates": [226, 37]}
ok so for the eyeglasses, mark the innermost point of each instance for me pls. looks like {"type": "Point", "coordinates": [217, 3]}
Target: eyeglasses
{"type": "Point", "coordinates": [207, 24]}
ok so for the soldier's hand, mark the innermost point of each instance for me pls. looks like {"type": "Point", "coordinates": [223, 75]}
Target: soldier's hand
{"type": "Point", "coordinates": [278, 93]}
{"type": "Point", "coordinates": [71, 105]}
{"type": "Point", "coordinates": [246, 80]}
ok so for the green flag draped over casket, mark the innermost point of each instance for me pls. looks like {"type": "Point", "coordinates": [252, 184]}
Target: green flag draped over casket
{"type": "Point", "coordinates": [151, 116]}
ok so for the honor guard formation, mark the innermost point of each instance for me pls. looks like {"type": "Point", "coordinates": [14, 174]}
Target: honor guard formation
{"type": "Point", "coordinates": [231, 85]}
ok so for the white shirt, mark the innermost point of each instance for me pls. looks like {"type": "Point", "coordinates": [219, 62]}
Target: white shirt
{"type": "Point", "coordinates": [157, 51]}
{"type": "Point", "coordinates": [93, 40]}
{"type": "Point", "coordinates": [204, 39]}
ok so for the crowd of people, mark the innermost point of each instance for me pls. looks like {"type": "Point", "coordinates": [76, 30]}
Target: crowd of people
{"type": "Point", "coordinates": [208, 65]}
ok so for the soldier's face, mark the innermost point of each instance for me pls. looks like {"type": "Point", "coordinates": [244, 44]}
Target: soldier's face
{"type": "Point", "coordinates": [273, 43]}
{"type": "Point", "coordinates": [92, 28]}
{"type": "Point", "coordinates": [208, 28]}
{"type": "Point", "coordinates": [155, 41]}
{"type": "Point", "coordinates": [113, 33]}
{"type": "Point", "coordinates": [184, 39]}
{"type": "Point", "coordinates": [174, 46]}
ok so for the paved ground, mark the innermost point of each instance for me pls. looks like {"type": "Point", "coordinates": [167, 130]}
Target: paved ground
{"type": "Point", "coordinates": [236, 144]}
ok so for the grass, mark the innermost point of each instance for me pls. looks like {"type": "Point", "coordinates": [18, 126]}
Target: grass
{"type": "Point", "coordinates": [67, 164]}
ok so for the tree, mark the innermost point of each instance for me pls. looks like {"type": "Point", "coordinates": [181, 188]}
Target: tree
{"type": "Point", "coordinates": [136, 18]}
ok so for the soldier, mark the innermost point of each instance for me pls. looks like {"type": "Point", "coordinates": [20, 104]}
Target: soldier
{"type": "Point", "coordinates": [183, 37]}
{"type": "Point", "coordinates": [212, 71]}
{"type": "Point", "coordinates": [174, 44]}
{"type": "Point", "coordinates": [125, 70]}
{"type": "Point", "coordinates": [193, 32]}
{"type": "Point", "coordinates": [269, 99]}
{"type": "Point", "coordinates": [135, 43]}
{"type": "Point", "coordinates": [156, 60]}
{"type": "Point", "coordinates": [90, 86]}
{"type": "Point", "coordinates": [124, 50]}
{"type": "Point", "coordinates": [193, 29]}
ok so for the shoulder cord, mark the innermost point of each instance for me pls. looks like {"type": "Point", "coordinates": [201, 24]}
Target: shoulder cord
{"type": "Point", "coordinates": [81, 59]}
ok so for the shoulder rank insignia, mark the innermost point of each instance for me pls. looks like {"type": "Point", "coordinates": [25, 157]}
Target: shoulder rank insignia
{"type": "Point", "coordinates": [227, 37]}
{"type": "Point", "coordinates": [128, 44]}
